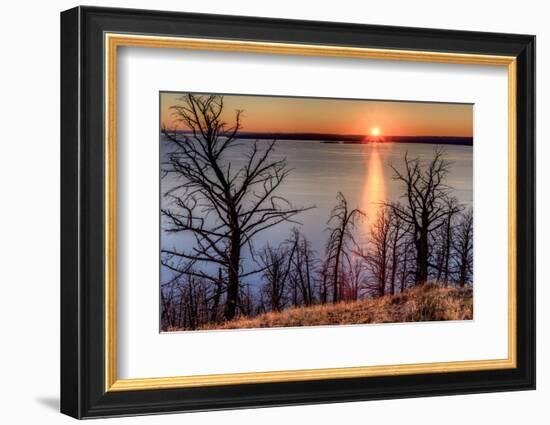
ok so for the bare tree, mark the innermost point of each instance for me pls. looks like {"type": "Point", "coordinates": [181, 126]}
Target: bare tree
{"type": "Point", "coordinates": [425, 203]}
{"type": "Point", "coordinates": [464, 248]}
{"type": "Point", "coordinates": [323, 282]}
{"type": "Point", "coordinates": [405, 267]}
{"type": "Point", "coordinates": [218, 292]}
{"type": "Point", "coordinates": [187, 303]}
{"type": "Point", "coordinates": [444, 241]}
{"type": "Point", "coordinates": [341, 241]}
{"type": "Point", "coordinates": [354, 280]}
{"type": "Point", "coordinates": [398, 232]}
{"type": "Point", "coordinates": [247, 302]}
{"type": "Point", "coordinates": [383, 255]}
{"type": "Point", "coordinates": [302, 266]}
{"type": "Point", "coordinates": [275, 274]}
{"type": "Point", "coordinates": [378, 252]}
{"type": "Point", "coordinates": [168, 310]}
{"type": "Point", "coordinates": [223, 208]}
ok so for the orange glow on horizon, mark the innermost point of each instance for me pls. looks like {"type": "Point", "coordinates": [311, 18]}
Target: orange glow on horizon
{"type": "Point", "coordinates": [277, 114]}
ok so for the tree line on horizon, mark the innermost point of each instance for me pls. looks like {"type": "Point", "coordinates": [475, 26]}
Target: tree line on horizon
{"type": "Point", "coordinates": [426, 236]}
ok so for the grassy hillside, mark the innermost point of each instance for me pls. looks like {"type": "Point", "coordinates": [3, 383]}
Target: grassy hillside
{"type": "Point", "coordinates": [424, 303]}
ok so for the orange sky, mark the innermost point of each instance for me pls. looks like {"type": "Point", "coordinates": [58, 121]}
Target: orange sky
{"type": "Point", "coordinates": [338, 116]}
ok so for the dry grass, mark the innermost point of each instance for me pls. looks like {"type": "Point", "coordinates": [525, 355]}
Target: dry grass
{"type": "Point", "coordinates": [424, 303]}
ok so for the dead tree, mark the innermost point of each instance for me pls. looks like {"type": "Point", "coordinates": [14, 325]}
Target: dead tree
{"type": "Point", "coordinates": [383, 254]}
{"type": "Point", "coordinates": [218, 292]}
{"type": "Point", "coordinates": [187, 303]}
{"type": "Point", "coordinates": [323, 280]}
{"type": "Point", "coordinates": [341, 241]}
{"type": "Point", "coordinates": [302, 265]}
{"type": "Point", "coordinates": [444, 241]}
{"type": "Point", "coordinates": [464, 248]}
{"type": "Point", "coordinates": [398, 231]}
{"type": "Point", "coordinates": [354, 282]}
{"type": "Point", "coordinates": [274, 262]}
{"type": "Point", "coordinates": [425, 203]}
{"type": "Point", "coordinates": [405, 264]}
{"type": "Point", "coordinates": [247, 303]}
{"type": "Point", "coordinates": [168, 310]}
{"type": "Point", "coordinates": [378, 252]}
{"type": "Point", "coordinates": [223, 207]}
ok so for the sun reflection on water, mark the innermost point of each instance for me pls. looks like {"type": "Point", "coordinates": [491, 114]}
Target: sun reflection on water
{"type": "Point", "coordinates": [374, 187]}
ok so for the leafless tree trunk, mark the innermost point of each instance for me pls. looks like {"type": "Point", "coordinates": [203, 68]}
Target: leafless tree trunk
{"type": "Point", "coordinates": [377, 258]}
{"type": "Point", "coordinates": [464, 248]}
{"type": "Point", "coordinates": [355, 280]}
{"type": "Point", "coordinates": [247, 302]}
{"type": "Point", "coordinates": [301, 266]}
{"type": "Point", "coordinates": [398, 230]}
{"type": "Point", "coordinates": [275, 274]}
{"type": "Point", "coordinates": [214, 314]}
{"type": "Point", "coordinates": [167, 311]}
{"type": "Point", "coordinates": [444, 240]}
{"type": "Point", "coordinates": [187, 303]}
{"type": "Point", "coordinates": [405, 267]}
{"type": "Point", "coordinates": [323, 283]}
{"type": "Point", "coordinates": [340, 238]}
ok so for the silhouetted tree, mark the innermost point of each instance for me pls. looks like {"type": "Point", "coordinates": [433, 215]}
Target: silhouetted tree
{"type": "Point", "coordinates": [444, 241]}
{"type": "Point", "coordinates": [425, 203]}
{"type": "Point", "coordinates": [398, 232]}
{"type": "Point", "coordinates": [247, 302]}
{"type": "Point", "coordinates": [275, 275]}
{"type": "Point", "coordinates": [341, 241]}
{"type": "Point", "coordinates": [406, 258]}
{"type": "Point", "coordinates": [354, 280]}
{"type": "Point", "coordinates": [377, 255]}
{"type": "Point", "coordinates": [383, 254]}
{"type": "Point", "coordinates": [187, 303]}
{"type": "Point", "coordinates": [323, 282]}
{"type": "Point", "coordinates": [464, 257]}
{"type": "Point", "coordinates": [223, 208]}
{"type": "Point", "coordinates": [302, 265]}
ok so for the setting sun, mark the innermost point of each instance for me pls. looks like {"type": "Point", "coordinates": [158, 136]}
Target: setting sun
{"type": "Point", "coordinates": [375, 131]}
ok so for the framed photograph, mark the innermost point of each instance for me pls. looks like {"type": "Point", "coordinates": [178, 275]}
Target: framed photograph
{"type": "Point", "coordinates": [261, 212]}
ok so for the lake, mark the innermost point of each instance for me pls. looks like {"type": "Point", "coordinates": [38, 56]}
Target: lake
{"type": "Point", "coordinates": [361, 172]}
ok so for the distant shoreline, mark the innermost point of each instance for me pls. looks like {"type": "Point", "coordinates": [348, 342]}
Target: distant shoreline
{"type": "Point", "coordinates": [356, 138]}
{"type": "Point", "coordinates": [404, 139]}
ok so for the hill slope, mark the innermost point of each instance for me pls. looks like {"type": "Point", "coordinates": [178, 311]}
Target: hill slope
{"type": "Point", "coordinates": [424, 303]}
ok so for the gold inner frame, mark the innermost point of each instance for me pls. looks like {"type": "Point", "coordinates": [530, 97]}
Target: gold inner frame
{"type": "Point", "coordinates": [113, 41]}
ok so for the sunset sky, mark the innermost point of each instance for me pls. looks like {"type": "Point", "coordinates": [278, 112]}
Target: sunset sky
{"type": "Point", "coordinates": [337, 116]}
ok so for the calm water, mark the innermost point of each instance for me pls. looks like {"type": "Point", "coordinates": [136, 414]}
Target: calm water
{"type": "Point", "coordinates": [319, 170]}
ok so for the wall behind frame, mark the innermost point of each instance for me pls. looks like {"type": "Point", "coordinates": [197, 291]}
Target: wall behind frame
{"type": "Point", "coordinates": [29, 219]}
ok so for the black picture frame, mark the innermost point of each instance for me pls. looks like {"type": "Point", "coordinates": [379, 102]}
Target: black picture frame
{"type": "Point", "coordinates": [83, 392]}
